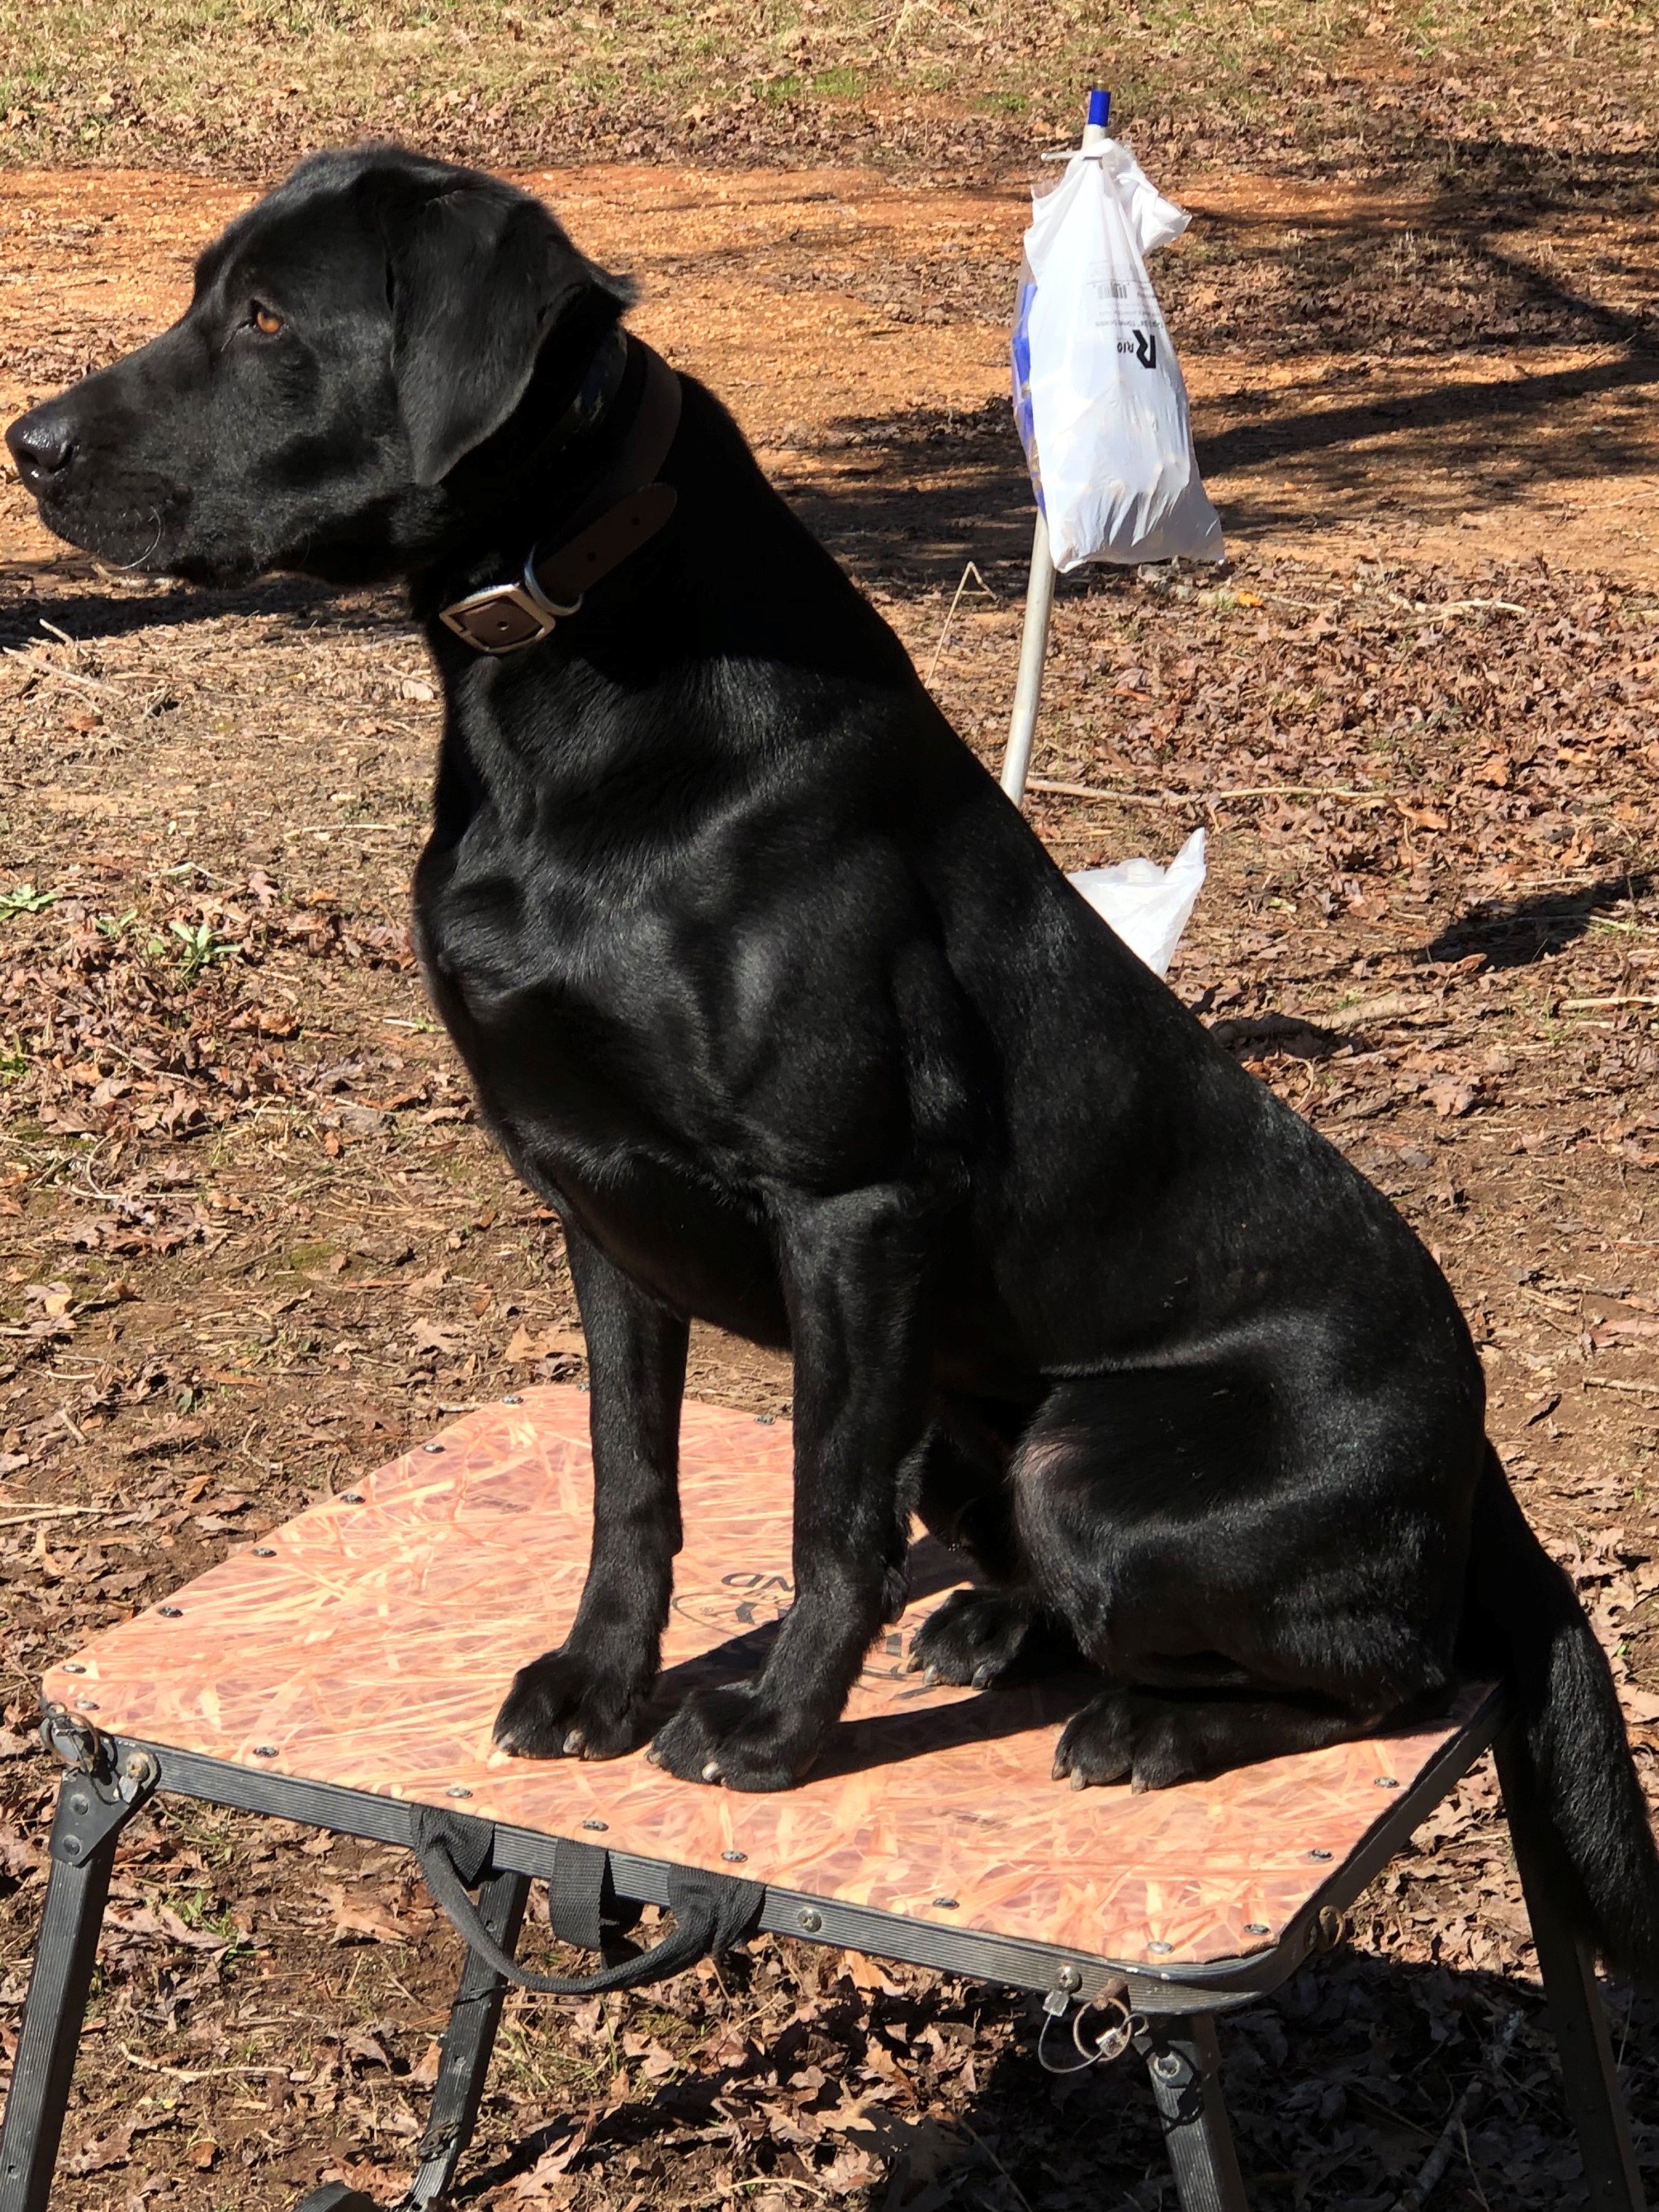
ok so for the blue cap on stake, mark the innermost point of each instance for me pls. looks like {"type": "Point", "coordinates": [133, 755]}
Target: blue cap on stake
{"type": "Point", "coordinates": [1100, 107]}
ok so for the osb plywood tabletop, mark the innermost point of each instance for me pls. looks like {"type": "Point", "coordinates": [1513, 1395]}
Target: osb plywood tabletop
{"type": "Point", "coordinates": [369, 1643]}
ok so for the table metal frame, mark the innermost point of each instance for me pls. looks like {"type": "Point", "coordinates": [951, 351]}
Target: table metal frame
{"type": "Point", "coordinates": [1175, 2009]}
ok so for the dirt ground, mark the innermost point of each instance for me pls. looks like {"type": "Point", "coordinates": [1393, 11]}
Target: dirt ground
{"type": "Point", "coordinates": [252, 1239]}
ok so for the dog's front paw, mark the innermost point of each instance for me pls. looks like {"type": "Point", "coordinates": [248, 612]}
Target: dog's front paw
{"type": "Point", "coordinates": [732, 1735]}
{"type": "Point", "coordinates": [565, 1706]}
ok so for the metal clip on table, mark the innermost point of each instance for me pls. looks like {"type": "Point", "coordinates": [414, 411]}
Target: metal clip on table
{"type": "Point", "coordinates": [343, 1672]}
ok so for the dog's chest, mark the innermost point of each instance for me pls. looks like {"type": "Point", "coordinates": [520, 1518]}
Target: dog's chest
{"type": "Point", "coordinates": [558, 1004]}
{"type": "Point", "coordinates": [672, 1000]}
{"type": "Point", "coordinates": [589, 1066]}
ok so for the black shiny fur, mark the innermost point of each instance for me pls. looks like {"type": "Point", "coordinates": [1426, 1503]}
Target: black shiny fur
{"type": "Point", "coordinates": [766, 988]}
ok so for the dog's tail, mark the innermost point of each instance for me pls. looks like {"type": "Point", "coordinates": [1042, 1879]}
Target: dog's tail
{"type": "Point", "coordinates": [1573, 1761]}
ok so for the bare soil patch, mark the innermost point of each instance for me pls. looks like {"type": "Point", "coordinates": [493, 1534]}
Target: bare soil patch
{"type": "Point", "coordinates": [251, 1238]}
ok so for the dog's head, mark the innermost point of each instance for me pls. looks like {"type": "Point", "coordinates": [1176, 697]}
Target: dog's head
{"type": "Point", "coordinates": [358, 348]}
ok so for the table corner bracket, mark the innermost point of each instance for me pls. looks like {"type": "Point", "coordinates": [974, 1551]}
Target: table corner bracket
{"type": "Point", "coordinates": [105, 1784]}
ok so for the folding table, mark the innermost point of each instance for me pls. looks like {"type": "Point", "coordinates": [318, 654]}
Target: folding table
{"type": "Point", "coordinates": [344, 1671]}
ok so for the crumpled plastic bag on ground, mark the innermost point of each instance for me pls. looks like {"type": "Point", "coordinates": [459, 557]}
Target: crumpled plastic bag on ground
{"type": "Point", "coordinates": [1147, 906]}
{"type": "Point", "coordinates": [1099, 395]}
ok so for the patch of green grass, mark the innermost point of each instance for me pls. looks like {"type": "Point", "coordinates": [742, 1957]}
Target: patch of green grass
{"type": "Point", "coordinates": [202, 947]}
{"type": "Point", "coordinates": [251, 88]}
{"type": "Point", "coordinates": [23, 898]}
{"type": "Point", "coordinates": [203, 1827]}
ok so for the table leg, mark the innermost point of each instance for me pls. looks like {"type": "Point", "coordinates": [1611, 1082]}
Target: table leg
{"type": "Point", "coordinates": [1594, 2102]}
{"type": "Point", "coordinates": [1184, 2062]}
{"type": "Point", "coordinates": [90, 1819]}
{"type": "Point", "coordinates": [468, 2042]}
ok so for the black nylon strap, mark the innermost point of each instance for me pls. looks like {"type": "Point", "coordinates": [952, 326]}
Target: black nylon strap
{"type": "Point", "coordinates": [468, 1842]}
{"type": "Point", "coordinates": [711, 1911]}
{"type": "Point", "coordinates": [575, 1895]}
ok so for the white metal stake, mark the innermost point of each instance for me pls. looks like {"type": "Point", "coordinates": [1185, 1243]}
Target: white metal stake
{"type": "Point", "coordinates": [1040, 590]}
{"type": "Point", "coordinates": [1033, 651]}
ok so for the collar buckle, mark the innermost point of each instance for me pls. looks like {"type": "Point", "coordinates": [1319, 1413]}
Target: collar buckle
{"type": "Point", "coordinates": [505, 618]}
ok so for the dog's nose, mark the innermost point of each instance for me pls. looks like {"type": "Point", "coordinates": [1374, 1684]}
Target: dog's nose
{"type": "Point", "coordinates": [41, 444]}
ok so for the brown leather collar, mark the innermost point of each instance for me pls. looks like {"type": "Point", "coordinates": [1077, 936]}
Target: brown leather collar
{"type": "Point", "coordinates": [626, 507]}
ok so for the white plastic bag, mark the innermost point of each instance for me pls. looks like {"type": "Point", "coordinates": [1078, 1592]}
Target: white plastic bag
{"type": "Point", "coordinates": [1098, 394]}
{"type": "Point", "coordinates": [1146, 905]}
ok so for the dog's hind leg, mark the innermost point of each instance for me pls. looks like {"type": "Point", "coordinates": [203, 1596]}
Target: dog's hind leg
{"type": "Point", "coordinates": [1256, 1569]}
{"type": "Point", "coordinates": [965, 1493]}
{"type": "Point", "coordinates": [589, 1697]}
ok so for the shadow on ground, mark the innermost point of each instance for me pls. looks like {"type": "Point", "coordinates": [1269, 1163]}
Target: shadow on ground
{"type": "Point", "coordinates": [1515, 932]}
{"type": "Point", "coordinates": [1342, 2087]}
{"type": "Point", "coordinates": [31, 617]}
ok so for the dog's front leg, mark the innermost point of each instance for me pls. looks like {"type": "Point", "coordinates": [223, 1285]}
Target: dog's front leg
{"type": "Point", "coordinates": [854, 1270]}
{"type": "Point", "coordinates": [589, 1697]}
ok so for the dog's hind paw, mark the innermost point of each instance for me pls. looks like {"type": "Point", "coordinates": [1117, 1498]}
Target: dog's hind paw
{"type": "Point", "coordinates": [1097, 1744]}
{"type": "Point", "coordinates": [734, 1736]}
{"type": "Point", "coordinates": [562, 1706]}
{"type": "Point", "coordinates": [978, 1639]}
{"type": "Point", "coordinates": [1158, 1740]}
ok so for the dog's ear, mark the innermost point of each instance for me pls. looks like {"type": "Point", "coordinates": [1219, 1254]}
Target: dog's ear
{"type": "Point", "coordinates": [479, 280]}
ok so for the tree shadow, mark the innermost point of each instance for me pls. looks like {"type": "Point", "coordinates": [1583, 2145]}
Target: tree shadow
{"type": "Point", "coordinates": [1432, 306]}
{"type": "Point", "coordinates": [1506, 404]}
{"type": "Point", "coordinates": [1341, 2086]}
{"type": "Point", "coordinates": [1515, 932]}
{"type": "Point", "coordinates": [1288, 1035]}
{"type": "Point", "coordinates": [1379, 287]}
{"type": "Point", "coordinates": [1453, 257]}
{"type": "Point", "coordinates": [943, 495]}
{"type": "Point", "coordinates": [87, 616]}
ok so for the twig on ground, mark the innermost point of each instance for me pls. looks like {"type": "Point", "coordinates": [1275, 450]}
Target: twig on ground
{"type": "Point", "coordinates": [50, 668]}
{"type": "Point", "coordinates": [1305, 791]}
{"type": "Point", "coordinates": [25, 1516]}
{"type": "Point", "coordinates": [1458, 607]}
{"type": "Point", "coordinates": [196, 2074]}
{"type": "Point", "coordinates": [1213, 798]}
{"type": "Point", "coordinates": [1095, 791]}
{"type": "Point", "coordinates": [1434, 2165]}
{"type": "Point", "coordinates": [969, 2129]}
{"type": "Point", "coordinates": [982, 590]}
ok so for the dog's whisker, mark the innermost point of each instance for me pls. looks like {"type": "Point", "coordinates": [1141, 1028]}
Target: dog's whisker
{"type": "Point", "coordinates": [156, 540]}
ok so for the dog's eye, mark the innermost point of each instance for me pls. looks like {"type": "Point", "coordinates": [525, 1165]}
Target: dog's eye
{"type": "Point", "coordinates": [267, 320]}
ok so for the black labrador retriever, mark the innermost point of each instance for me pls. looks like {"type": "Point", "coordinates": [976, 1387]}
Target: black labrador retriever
{"type": "Point", "coordinates": [772, 995]}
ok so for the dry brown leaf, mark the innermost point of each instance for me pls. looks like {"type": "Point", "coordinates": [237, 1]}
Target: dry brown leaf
{"type": "Point", "coordinates": [526, 1344]}
{"type": "Point", "coordinates": [360, 1920]}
